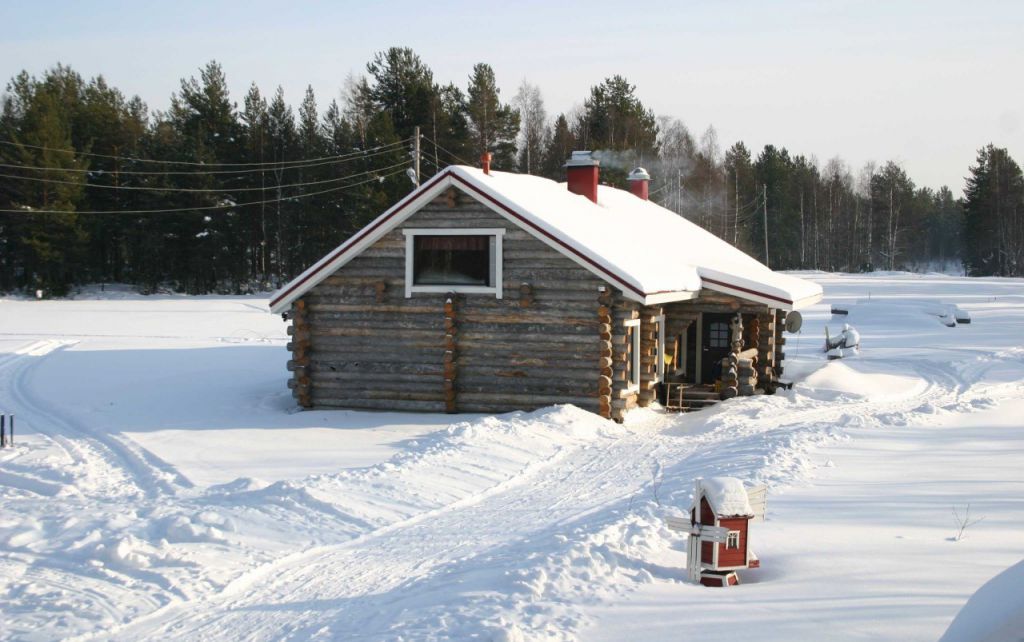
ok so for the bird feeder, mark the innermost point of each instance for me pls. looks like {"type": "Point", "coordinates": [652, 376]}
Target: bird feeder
{"type": "Point", "coordinates": [718, 528]}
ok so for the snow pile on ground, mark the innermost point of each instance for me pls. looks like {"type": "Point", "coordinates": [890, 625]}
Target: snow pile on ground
{"type": "Point", "coordinates": [995, 613]}
{"type": "Point", "coordinates": [852, 378]}
{"type": "Point", "coordinates": [727, 496]}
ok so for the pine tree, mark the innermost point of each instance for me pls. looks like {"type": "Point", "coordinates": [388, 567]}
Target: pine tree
{"type": "Point", "coordinates": [494, 126]}
{"type": "Point", "coordinates": [45, 247]}
{"type": "Point", "coordinates": [403, 88]}
{"type": "Point", "coordinates": [614, 119]}
{"type": "Point", "coordinates": [739, 184]}
{"type": "Point", "coordinates": [449, 126]}
{"type": "Point", "coordinates": [281, 138]}
{"type": "Point", "coordinates": [994, 213]}
{"type": "Point", "coordinates": [255, 125]}
{"type": "Point", "coordinates": [560, 145]}
{"type": "Point", "coordinates": [892, 194]}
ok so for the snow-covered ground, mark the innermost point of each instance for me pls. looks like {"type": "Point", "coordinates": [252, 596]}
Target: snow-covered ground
{"type": "Point", "coordinates": [163, 486]}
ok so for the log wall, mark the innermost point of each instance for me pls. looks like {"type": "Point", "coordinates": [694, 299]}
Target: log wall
{"type": "Point", "coordinates": [358, 342]}
{"type": "Point", "coordinates": [623, 397]}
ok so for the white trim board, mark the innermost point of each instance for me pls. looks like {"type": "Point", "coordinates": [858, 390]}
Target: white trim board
{"type": "Point", "coordinates": [634, 384]}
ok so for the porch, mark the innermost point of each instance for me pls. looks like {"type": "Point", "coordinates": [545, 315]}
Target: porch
{"type": "Point", "coordinates": [712, 348]}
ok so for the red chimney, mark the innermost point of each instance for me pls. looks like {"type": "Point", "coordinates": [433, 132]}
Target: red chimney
{"type": "Point", "coordinates": [581, 172]}
{"type": "Point", "coordinates": [485, 162]}
{"type": "Point", "coordinates": [639, 181]}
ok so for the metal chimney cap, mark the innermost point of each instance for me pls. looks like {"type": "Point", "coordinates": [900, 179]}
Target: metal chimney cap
{"type": "Point", "coordinates": [582, 159]}
{"type": "Point", "coordinates": [639, 174]}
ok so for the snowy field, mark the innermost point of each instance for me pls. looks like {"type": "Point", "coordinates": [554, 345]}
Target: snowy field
{"type": "Point", "coordinates": [163, 486]}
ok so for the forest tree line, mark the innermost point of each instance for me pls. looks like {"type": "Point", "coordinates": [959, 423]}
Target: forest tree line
{"type": "Point", "coordinates": [213, 195]}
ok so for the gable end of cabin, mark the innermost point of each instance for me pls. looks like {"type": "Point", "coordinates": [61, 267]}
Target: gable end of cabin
{"type": "Point", "coordinates": [457, 309]}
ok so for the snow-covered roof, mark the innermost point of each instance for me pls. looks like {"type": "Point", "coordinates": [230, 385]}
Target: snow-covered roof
{"type": "Point", "coordinates": [727, 496]}
{"type": "Point", "coordinates": [652, 254]}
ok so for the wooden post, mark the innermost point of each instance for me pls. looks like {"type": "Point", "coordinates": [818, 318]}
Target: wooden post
{"type": "Point", "coordinates": [648, 354]}
{"type": "Point", "coordinates": [450, 362]}
{"type": "Point", "coordinates": [780, 341]}
{"type": "Point", "coordinates": [766, 348]}
{"type": "Point", "coordinates": [604, 380]}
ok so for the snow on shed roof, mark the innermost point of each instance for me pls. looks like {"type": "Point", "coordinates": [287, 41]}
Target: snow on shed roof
{"type": "Point", "coordinates": [651, 253]}
{"type": "Point", "coordinates": [727, 496]}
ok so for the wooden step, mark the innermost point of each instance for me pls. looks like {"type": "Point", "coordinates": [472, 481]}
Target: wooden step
{"type": "Point", "coordinates": [688, 394]}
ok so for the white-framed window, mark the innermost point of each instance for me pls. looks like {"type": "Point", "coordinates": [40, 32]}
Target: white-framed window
{"type": "Point", "coordinates": [453, 260]}
{"type": "Point", "coordinates": [632, 354]}
{"type": "Point", "coordinates": [660, 373]}
{"type": "Point", "coordinates": [732, 540]}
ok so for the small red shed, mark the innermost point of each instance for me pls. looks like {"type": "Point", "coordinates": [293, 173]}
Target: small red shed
{"type": "Point", "coordinates": [724, 502]}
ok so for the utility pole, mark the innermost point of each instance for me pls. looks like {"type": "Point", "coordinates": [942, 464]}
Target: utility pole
{"type": "Point", "coordinates": [679, 193]}
{"type": "Point", "coordinates": [416, 153]}
{"type": "Point", "coordinates": [736, 219]}
{"type": "Point", "coordinates": [803, 243]}
{"type": "Point", "coordinates": [764, 196]}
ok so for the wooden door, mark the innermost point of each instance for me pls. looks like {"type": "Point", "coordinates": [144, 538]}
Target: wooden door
{"type": "Point", "coordinates": [714, 345]}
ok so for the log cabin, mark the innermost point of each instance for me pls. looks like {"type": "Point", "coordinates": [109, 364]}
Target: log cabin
{"type": "Point", "coordinates": [486, 291]}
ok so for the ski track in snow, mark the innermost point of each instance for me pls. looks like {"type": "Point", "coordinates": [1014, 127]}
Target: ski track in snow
{"type": "Point", "coordinates": [126, 468]}
{"type": "Point", "coordinates": [345, 581]}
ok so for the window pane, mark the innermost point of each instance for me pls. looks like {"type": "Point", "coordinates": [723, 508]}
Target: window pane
{"type": "Point", "coordinates": [452, 260]}
{"type": "Point", "coordinates": [718, 335]}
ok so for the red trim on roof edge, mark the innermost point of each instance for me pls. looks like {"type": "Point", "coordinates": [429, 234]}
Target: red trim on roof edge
{"type": "Point", "coordinates": [548, 234]}
{"type": "Point", "coordinates": [747, 290]}
{"type": "Point", "coordinates": [359, 236]}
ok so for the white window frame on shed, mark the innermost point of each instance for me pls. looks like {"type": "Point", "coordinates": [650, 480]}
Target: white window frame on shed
{"type": "Point", "coordinates": [660, 371]}
{"type": "Point", "coordinates": [733, 536]}
{"type": "Point", "coordinates": [634, 355]}
{"type": "Point", "coordinates": [496, 234]}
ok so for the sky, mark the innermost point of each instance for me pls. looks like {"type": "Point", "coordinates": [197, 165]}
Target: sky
{"type": "Point", "coordinates": [922, 83]}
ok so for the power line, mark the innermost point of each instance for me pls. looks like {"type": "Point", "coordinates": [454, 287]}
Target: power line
{"type": "Point", "coordinates": [379, 178]}
{"type": "Point", "coordinates": [451, 154]}
{"type": "Point", "coordinates": [304, 164]}
{"type": "Point", "coordinates": [188, 190]}
{"type": "Point", "coordinates": [194, 163]}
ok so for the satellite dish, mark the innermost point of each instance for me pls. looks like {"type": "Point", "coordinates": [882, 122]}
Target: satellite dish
{"type": "Point", "coordinates": [794, 321]}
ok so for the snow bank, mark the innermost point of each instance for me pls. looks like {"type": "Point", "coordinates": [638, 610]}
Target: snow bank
{"type": "Point", "coordinates": [727, 496]}
{"type": "Point", "coordinates": [995, 613]}
{"type": "Point", "coordinates": [859, 379]}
